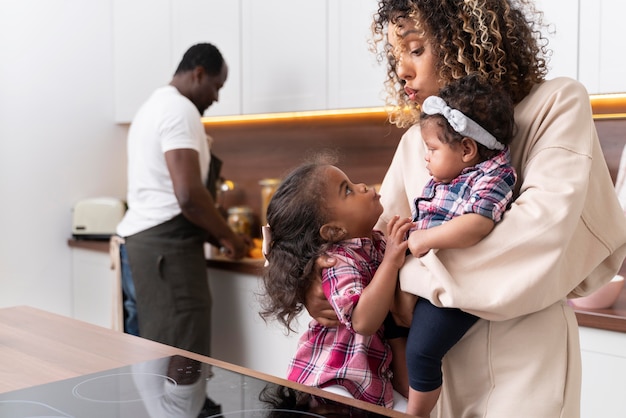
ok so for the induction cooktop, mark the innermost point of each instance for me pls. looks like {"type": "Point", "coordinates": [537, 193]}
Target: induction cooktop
{"type": "Point", "coordinates": [170, 387]}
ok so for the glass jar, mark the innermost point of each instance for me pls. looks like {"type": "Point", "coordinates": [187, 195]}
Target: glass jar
{"type": "Point", "coordinates": [268, 188]}
{"type": "Point", "coordinates": [240, 219]}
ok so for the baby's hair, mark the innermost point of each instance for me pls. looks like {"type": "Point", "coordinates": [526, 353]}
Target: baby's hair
{"type": "Point", "coordinates": [295, 215]}
{"type": "Point", "coordinates": [487, 105]}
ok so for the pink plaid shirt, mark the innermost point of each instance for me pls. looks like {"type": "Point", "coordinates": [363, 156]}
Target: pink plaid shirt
{"type": "Point", "coordinates": [339, 356]}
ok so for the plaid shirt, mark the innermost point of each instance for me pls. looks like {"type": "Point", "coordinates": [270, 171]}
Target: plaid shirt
{"type": "Point", "coordinates": [485, 189]}
{"type": "Point", "coordinates": [339, 356]}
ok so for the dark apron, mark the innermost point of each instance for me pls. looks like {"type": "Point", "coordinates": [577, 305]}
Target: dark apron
{"type": "Point", "coordinates": [168, 266]}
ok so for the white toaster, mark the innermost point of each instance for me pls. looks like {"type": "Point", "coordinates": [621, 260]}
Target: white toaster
{"type": "Point", "coordinates": [97, 218]}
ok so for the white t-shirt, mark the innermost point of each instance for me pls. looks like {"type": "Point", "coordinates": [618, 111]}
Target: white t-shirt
{"type": "Point", "coordinates": [166, 121]}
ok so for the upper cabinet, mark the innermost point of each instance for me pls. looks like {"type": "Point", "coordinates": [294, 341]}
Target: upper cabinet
{"type": "Point", "coordinates": [284, 49]}
{"type": "Point", "coordinates": [282, 55]}
{"type": "Point", "coordinates": [151, 36]}
{"type": "Point", "coordinates": [308, 55]}
{"type": "Point", "coordinates": [141, 52]}
{"type": "Point", "coordinates": [586, 40]}
{"type": "Point", "coordinates": [295, 55]}
{"type": "Point", "coordinates": [217, 22]}
{"type": "Point", "coordinates": [601, 53]}
{"type": "Point", "coordinates": [355, 77]}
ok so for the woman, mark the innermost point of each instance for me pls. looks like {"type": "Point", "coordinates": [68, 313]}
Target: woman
{"type": "Point", "coordinates": [564, 235]}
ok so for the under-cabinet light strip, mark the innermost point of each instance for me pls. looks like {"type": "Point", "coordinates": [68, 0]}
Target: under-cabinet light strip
{"type": "Point", "coordinates": [604, 106]}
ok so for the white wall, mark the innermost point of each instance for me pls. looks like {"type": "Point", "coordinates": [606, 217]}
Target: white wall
{"type": "Point", "coordinates": [58, 142]}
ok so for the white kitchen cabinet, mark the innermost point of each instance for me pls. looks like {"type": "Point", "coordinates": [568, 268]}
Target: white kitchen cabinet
{"type": "Point", "coordinates": [602, 60]}
{"type": "Point", "coordinates": [604, 367]}
{"type": "Point", "coordinates": [142, 57]}
{"type": "Point", "coordinates": [93, 287]}
{"type": "Point", "coordinates": [309, 55]}
{"type": "Point", "coordinates": [562, 18]}
{"type": "Point", "coordinates": [284, 48]}
{"type": "Point", "coordinates": [239, 335]}
{"type": "Point", "coordinates": [298, 55]}
{"type": "Point", "coordinates": [217, 22]}
{"type": "Point", "coordinates": [355, 76]}
{"type": "Point", "coordinates": [283, 55]}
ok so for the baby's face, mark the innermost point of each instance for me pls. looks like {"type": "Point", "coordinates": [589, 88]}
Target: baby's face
{"type": "Point", "coordinates": [444, 161]}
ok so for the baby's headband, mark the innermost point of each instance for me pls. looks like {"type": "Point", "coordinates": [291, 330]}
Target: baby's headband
{"type": "Point", "coordinates": [434, 105]}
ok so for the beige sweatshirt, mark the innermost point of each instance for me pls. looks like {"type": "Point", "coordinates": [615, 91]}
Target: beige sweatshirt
{"type": "Point", "coordinates": [565, 234]}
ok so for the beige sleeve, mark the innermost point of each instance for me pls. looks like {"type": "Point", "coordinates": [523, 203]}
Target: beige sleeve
{"type": "Point", "coordinates": [565, 230]}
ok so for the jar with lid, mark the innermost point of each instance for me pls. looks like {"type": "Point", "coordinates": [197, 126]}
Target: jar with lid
{"type": "Point", "coordinates": [240, 219]}
{"type": "Point", "coordinates": [268, 188]}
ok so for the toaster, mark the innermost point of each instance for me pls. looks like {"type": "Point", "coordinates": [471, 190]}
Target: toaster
{"type": "Point", "coordinates": [97, 218]}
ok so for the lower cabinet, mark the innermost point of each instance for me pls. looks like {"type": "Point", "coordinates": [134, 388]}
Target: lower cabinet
{"type": "Point", "coordinates": [604, 373]}
{"type": "Point", "coordinates": [239, 335]}
{"type": "Point", "coordinates": [94, 287]}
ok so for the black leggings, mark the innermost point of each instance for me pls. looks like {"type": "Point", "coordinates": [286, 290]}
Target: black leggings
{"type": "Point", "coordinates": [433, 332]}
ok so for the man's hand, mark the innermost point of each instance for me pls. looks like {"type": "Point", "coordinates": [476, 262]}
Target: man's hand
{"type": "Point", "coordinates": [237, 248]}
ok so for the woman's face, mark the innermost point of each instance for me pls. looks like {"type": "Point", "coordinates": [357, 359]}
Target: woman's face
{"type": "Point", "coordinates": [415, 61]}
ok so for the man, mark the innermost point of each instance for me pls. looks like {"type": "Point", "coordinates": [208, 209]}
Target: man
{"type": "Point", "coordinates": [170, 211]}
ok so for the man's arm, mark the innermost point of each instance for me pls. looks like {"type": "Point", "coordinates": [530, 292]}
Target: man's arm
{"type": "Point", "coordinates": [196, 202]}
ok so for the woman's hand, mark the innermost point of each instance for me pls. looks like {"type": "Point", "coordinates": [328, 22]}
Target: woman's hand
{"type": "Point", "coordinates": [315, 301]}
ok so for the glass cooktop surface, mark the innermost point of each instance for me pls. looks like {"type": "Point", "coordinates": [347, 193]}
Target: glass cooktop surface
{"type": "Point", "coordinates": [171, 387]}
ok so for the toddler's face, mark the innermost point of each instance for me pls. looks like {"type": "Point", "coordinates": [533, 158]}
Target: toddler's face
{"type": "Point", "coordinates": [354, 207]}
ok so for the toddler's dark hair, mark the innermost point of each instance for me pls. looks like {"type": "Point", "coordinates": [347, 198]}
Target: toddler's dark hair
{"type": "Point", "coordinates": [489, 106]}
{"type": "Point", "coordinates": [295, 214]}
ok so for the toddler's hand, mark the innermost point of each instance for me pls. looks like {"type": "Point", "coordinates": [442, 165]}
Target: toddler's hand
{"type": "Point", "coordinates": [397, 245]}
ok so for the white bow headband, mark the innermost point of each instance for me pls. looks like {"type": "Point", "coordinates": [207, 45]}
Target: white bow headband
{"type": "Point", "coordinates": [435, 105]}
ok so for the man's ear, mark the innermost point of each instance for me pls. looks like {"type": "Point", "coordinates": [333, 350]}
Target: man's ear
{"type": "Point", "coordinates": [332, 233]}
{"type": "Point", "coordinates": [198, 72]}
{"type": "Point", "coordinates": [470, 149]}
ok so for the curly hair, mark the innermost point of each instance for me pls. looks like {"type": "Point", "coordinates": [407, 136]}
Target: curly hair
{"type": "Point", "coordinates": [500, 40]}
{"type": "Point", "coordinates": [295, 214]}
{"type": "Point", "coordinates": [486, 104]}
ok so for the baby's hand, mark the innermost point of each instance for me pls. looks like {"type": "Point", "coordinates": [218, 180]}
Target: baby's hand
{"type": "Point", "coordinates": [416, 243]}
{"type": "Point", "coordinates": [397, 244]}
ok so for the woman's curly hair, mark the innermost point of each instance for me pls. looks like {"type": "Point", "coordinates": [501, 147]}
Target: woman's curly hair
{"type": "Point", "coordinates": [295, 214]}
{"type": "Point", "coordinates": [499, 40]}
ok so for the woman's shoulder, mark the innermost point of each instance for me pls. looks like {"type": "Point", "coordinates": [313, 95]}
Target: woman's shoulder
{"type": "Point", "coordinates": [557, 88]}
{"type": "Point", "coordinates": [553, 98]}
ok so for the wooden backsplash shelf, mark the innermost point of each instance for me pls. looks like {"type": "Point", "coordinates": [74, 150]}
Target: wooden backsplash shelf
{"type": "Point", "coordinates": [257, 149]}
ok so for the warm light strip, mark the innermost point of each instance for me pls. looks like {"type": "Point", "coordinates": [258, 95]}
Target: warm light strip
{"type": "Point", "coordinates": [295, 115]}
{"type": "Point", "coordinates": [604, 106]}
{"type": "Point", "coordinates": [608, 106]}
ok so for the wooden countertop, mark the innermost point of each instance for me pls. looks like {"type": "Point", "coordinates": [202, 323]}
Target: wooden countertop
{"type": "Point", "coordinates": [38, 347]}
{"type": "Point", "coordinates": [611, 319]}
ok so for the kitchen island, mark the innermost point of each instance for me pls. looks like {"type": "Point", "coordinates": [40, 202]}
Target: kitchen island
{"type": "Point", "coordinates": [40, 348]}
{"type": "Point", "coordinates": [244, 338]}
